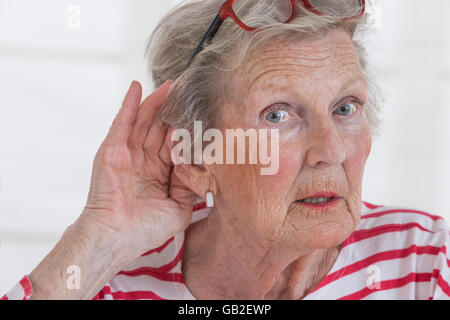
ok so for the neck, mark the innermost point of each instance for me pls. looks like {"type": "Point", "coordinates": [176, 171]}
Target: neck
{"type": "Point", "coordinates": [235, 265]}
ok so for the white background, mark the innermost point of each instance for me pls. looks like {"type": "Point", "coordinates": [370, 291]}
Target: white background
{"type": "Point", "coordinates": [63, 76]}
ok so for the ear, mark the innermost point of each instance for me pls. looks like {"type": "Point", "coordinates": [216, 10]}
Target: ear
{"type": "Point", "coordinates": [195, 177]}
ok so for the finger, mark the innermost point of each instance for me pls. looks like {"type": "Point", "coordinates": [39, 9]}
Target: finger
{"type": "Point", "coordinates": [165, 152]}
{"type": "Point", "coordinates": [180, 192]}
{"type": "Point", "coordinates": [157, 152]}
{"type": "Point", "coordinates": [146, 115]}
{"type": "Point", "coordinates": [155, 139]}
{"type": "Point", "coordinates": [123, 122]}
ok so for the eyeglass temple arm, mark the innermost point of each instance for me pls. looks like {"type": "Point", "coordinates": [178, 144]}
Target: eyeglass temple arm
{"type": "Point", "coordinates": [210, 33]}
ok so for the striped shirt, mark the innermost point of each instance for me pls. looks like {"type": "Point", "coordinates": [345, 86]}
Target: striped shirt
{"type": "Point", "coordinates": [394, 253]}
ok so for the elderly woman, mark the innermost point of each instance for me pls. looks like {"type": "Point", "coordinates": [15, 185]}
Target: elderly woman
{"type": "Point", "coordinates": [292, 68]}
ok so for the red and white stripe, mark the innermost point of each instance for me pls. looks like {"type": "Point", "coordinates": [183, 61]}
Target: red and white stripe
{"type": "Point", "coordinates": [409, 249]}
{"type": "Point", "coordinates": [21, 291]}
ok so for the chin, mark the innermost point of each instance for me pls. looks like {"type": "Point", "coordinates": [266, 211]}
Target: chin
{"type": "Point", "coordinates": [326, 235]}
{"type": "Point", "coordinates": [320, 230]}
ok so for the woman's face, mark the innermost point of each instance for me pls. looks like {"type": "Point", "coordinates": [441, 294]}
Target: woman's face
{"type": "Point", "coordinates": [313, 91]}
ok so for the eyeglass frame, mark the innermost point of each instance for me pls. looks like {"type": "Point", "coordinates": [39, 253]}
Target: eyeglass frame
{"type": "Point", "coordinates": [227, 11]}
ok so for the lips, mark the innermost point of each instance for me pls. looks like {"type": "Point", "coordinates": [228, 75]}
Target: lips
{"type": "Point", "coordinates": [320, 201]}
{"type": "Point", "coordinates": [322, 195]}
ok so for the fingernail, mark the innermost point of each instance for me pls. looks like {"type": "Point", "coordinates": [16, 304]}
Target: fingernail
{"type": "Point", "coordinates": [175, 84]}
{"type": "Point", "coordinates": [163, 85]}
{"type": "Point", "coordinates": [133, 83]}
{"type": "Point", "coordinates": [172, 87]}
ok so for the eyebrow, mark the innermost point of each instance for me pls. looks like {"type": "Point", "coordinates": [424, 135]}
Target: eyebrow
{"type": "Point", "coordinates": [352, 81]}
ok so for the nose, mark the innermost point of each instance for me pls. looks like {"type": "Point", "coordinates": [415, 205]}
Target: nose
{"type": "Point", "coordinates": [326, 147]}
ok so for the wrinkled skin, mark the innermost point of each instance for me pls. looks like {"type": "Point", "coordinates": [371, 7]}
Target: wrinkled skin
{"type": "Point", "coordinates": [258, 243]}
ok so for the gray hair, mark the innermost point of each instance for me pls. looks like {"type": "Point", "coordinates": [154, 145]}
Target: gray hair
{"type": "Point", "coordinates": [202, 88]}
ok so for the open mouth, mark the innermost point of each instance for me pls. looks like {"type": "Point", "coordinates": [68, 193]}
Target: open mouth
{"type": "Point", "coordinates": [320, 201]}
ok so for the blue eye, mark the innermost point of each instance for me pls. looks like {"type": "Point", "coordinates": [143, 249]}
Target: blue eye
{"type": "Point", "coordinates": [345, 109]}
{"type": "Point", "coordinates": [277, 116]}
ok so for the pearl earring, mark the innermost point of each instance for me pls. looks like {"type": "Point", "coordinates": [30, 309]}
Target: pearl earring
{"type": "Point", "coordinates": [209, 200]}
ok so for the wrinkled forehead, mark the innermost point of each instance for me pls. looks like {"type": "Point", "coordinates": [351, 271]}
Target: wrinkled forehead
{"type": "Point", "coordinates": [324, 55]}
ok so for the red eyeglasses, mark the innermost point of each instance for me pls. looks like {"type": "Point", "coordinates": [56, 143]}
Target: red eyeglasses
{"type": "Point", "coordinates": [238, 9]}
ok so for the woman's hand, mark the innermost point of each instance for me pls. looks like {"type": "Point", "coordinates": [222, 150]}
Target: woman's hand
{"type": "Point", "coordinates": [135, 203]}
{"type": "Point", "coordinates": [134, 190]}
